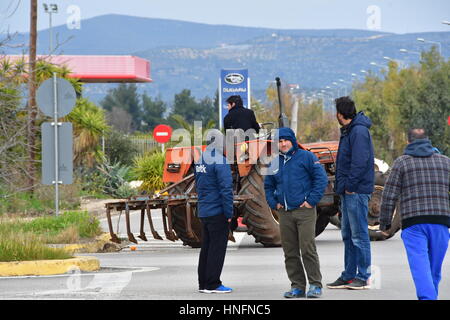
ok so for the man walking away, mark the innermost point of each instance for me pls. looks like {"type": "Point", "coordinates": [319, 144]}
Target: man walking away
{"type": "Point", "coordinates": [294, 191]}
{"type": "Point", "coordinates": [215, 209]}
{"type": "Point", "coordinates": [355, 177]}
{"type": "Point", "coordinates": [420, 180]}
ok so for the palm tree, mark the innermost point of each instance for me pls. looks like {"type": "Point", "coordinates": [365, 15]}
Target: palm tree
{"type": "Point", "coordinates": [89, 124]}
{"type": "Point", "coordinates": [190, 128]}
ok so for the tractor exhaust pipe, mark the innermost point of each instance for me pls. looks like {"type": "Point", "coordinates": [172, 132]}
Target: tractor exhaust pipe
{"type": "Point", "coordinates": [283, 120]}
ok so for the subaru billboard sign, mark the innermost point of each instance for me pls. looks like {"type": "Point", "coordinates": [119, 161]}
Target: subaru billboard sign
{"type": "Point", "coordinates": [233, 82]}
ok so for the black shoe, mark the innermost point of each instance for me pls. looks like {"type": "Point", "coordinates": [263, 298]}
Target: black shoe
{"type": "Point", "coordinates": [358, 284]}
{"type": "Point", "coordinates": [339, 284]}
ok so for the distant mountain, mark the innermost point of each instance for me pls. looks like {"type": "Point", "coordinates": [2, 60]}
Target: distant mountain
{"type": "Point", "coordinates": [190, 55]}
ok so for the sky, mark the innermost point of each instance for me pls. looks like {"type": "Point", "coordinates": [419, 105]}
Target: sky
{"type": "Point", "coordinates": [397, 16]}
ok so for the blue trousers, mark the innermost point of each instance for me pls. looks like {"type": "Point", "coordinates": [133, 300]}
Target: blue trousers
{"type": "Point", "coordinates": [426, 246]}
{"type": "Point", "coordinates": [355, 234]}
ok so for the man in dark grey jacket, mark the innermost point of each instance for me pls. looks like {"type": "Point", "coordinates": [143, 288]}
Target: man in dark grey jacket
{"type": "Point", "coordinates": [420, 180]}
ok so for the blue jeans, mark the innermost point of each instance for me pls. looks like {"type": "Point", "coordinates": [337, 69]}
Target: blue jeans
{"type": "Point", "coordinates": [355, 234]}
{"type": "Point", "coordinates": [426, 245]}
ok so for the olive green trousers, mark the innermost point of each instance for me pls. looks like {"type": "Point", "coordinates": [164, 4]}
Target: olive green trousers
{"type": "Point", "coordinates": [298, 228]}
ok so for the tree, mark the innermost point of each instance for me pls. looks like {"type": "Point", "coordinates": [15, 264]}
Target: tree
{"type": "Point", "coordinates": [190, 110]}
{"type": "Point", "coordinates": [89, 125]}
{"type": "Point", "coordinates": [314, 124]}
{"type": "Point", "coordinates": [152, 112]}
{"type": "Point", "coordinates": [433, 100]}
{"type": "Point", "coordinates": [119, 148]}
{"type": "Point", "coordinates": [14, 156]}
{"type": "Point", "coordinates": [417, 96]}
{"type": "Point", "coordinates": [120, 120]}
{"type": "Point", "coordinates": [124, 96]}
{"type": "Point", "coordinates": [17, 164]}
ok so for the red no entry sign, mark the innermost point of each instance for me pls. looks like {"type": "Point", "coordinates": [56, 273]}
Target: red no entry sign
{"type": "Point", "coordinates": [162, 133]}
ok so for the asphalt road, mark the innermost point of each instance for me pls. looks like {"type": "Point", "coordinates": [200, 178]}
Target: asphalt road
{"type": "Point", "coordinates": [165, 270]}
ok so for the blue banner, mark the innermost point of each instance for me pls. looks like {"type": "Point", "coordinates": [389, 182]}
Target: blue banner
{"type": "Point", "coordinates": [233, 82]}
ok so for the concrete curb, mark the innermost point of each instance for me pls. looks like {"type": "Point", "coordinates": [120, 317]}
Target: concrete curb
{"type": "Point", "coordinates": [48, 267]}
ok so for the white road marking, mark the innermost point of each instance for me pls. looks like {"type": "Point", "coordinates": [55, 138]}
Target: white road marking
{"type": "Point", "coordinates": [126, 269]}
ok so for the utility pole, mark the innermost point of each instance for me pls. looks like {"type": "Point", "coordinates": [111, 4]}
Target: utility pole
{"type": "Point", "coordinates": [32, 111]}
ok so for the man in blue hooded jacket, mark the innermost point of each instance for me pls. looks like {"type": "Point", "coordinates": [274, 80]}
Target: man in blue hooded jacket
{"type": "Point", "coordinates": [294, 189]}
{"type": "Point", "coordinates": [214, 186]}
{"type": "Point", "coordinates": [355, 177]}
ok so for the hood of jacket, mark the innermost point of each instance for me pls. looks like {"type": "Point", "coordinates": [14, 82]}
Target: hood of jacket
{"type": "Point", "coordinates": [287, 134]}
{"type": "Point", "coordinates": [419, 148]}
{"type": "Point", "coordinates": [359, 120]}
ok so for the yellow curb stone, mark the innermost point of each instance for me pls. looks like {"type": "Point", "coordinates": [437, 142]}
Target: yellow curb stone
{"type": "Point", "coordinates": [48, 267]}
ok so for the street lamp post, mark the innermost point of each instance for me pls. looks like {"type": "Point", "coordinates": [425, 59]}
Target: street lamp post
{"type": "Point", "coordinates": [50, 8]}
{"type": "Point", "coordinates": [399, 62]}
{"type": "Point", "coordinates": [377, 65]}
{"type": "Point", "coordinates": [433, 42]}
{"type": "Point", "coordinates": [409, 51]}
{"type": "Point", "coordinates": [345, 86]}
{"type": "Point", "coordinates": [338, 88]}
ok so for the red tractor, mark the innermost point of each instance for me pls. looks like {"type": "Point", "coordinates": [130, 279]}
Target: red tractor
{"type": "Point", "coordinates": [178, 201]}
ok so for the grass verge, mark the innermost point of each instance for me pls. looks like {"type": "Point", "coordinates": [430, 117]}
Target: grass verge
{"type": "Point", "coordinates": [22, 240]}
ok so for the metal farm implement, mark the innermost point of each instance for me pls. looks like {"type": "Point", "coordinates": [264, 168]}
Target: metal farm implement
{"type": "Point", "coordinates": [167, 203]}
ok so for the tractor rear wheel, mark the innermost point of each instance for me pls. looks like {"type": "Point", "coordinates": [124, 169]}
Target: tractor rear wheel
{"type": "Point", "coordinates": [261, 220]}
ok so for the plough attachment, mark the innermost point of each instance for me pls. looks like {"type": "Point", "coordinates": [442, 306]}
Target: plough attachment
{"type": "Point", "coordinates": [166, 204]}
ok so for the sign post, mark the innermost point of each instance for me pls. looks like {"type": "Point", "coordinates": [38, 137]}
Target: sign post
{"type": "Point", "coordinates": [233, 82]}
{"type": "Point", "coordinates": [56, 98]}
{"type": "Point", "coordinates": [162, 134]}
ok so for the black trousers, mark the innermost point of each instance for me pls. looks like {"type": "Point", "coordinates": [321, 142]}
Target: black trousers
{"type": "Point", "coordinates": [212, 253]}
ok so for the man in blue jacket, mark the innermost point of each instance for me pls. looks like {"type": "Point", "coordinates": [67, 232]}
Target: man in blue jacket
{"type": "Point", "coordinates": [294, 189]}
{"type": "Point", "coordinates": [355, 176]}
{"type": "Point", "coordinates": [214, 186]}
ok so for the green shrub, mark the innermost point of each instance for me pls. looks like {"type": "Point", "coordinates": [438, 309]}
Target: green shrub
{"type": "Point", "coordinates": [149, 169]}
{"type": "Point", "coordinates": [119, 148]}
{"type": "Point", "coordinates": [115, 177]}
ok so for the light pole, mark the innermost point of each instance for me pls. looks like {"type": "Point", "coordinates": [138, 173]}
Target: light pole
{"type": "Point", "coordinates": [328, 97]}
{"type": "Point", "coordinates": [293, 88]}
{"type": "Point", "coordinates": [399, 62]}
{"type": "Point", "coordinates": [446, 22]}
{"type": "Point", "coordinates": [50, 8]}
{"type": "Point", "coordinates": [409, 51]}
{"type": "Point", "coordinates": [345, 86]}
{"type": "Point", "coordinates": [433, 42]}
{"type": "Point", "coordinates": [354, 75]}
{"type": "Point", "coordinates": [377, 65]}
{"type": "Point", "coordinates": [338, 88]}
